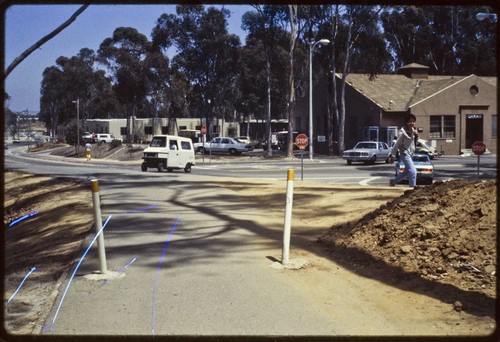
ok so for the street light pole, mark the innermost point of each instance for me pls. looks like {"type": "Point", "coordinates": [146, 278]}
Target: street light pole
{"type": "Point", "coordinates": [312, 45]}
{"type": "Point", "coordinates": [77, 126]}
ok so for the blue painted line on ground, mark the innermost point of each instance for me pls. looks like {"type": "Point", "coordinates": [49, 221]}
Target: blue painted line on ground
{"type": "Point", "coordinates": [22, 282]}
{"type": "Point", "coordinates": [76, 269]}
{"type": "Point", "coordinates": [119, 271]}
{"type": "Point", "coordinates": [16, 221]}
{"type": "Point", "coordinates": [158, 273]}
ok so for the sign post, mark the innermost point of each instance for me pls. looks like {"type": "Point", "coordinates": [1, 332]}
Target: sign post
{"type": "Point", "coordinates": [478, 148]}
{"type": "Point", "coordinates": [203, 138]}
{"type": "Point", "coordinates": [301, 141]}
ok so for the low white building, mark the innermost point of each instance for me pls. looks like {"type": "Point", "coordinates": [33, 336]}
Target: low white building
{"type": "Point", "coordinates": [143, 129]}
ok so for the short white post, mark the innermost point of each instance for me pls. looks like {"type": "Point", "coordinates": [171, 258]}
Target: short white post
{"type": "Point", "coordinates": [288, 217]}
{"type": "Point", "coordinates": [94, 186]}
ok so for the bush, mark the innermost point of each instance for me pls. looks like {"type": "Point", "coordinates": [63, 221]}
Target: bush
{"type": "Point", "coordinates": [116, 143]}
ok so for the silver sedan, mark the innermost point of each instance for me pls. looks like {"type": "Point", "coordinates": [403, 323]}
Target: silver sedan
{"type": "Point", "coordinates": [368, 152]}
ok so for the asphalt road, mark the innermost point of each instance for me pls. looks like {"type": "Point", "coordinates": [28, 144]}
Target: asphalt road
{"type": "Point", "coordinates": [332, 170]}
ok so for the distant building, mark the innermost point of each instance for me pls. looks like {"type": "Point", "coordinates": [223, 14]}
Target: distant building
{"type": "Point", "coordinates": [143, 129]}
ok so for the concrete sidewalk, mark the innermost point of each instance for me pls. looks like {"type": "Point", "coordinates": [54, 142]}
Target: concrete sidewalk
{"type": "Point", "coordinates": [215, 277]}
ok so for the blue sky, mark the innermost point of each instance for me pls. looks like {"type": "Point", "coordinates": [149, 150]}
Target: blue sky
{"type": "Point", "coordinates": [26, 24]}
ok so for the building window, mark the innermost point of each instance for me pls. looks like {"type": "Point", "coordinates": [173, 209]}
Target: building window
{"type": "Point", "coordinates": [148, 130]}
{"type": "Point", "coordinates": [164, 129]}
{"type": "Point", "coordinates": [442, 126]}
{"type": "Point", "coordinates": [123, 130]}
{"type": "Point", "coordinates": [493, 126]}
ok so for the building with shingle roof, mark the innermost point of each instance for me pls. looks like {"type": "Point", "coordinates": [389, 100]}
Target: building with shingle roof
{"type": "Point", "coordinates": [452, 111]}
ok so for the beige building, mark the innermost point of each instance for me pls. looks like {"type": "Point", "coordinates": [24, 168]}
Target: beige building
{"type": "Point", "coordinates": [452, 111]}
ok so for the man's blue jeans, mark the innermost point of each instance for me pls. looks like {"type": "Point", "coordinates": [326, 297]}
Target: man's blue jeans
{"type": "Point", "coordinates": [409, 172]}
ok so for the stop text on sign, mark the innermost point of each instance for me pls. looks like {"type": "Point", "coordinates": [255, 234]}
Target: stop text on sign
{"type": "Point", "coordinates": [301, 141]}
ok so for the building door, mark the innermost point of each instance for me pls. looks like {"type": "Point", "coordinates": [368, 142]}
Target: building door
{"type": "Point", "coordinates": [473, 129]}
{"type": "Point", "coordinates": [371, 133]}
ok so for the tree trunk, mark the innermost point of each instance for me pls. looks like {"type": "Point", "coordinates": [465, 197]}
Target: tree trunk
{"type": "Point", "coordinates": [345, 71]}
{"type": "Point", "coordinates": [291, 83]}
{"type": "Point", "coordinates": [268, 115]}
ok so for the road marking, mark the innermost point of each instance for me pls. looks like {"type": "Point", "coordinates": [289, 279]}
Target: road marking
{"type": "Point", "coordinates": [366, 181]}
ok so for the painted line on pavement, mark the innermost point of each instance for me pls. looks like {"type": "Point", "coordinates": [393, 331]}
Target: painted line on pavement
{"type": "Point", "coordinates": [368, 180]}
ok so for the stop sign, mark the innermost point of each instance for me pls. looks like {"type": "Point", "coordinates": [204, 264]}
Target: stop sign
{"type": "Point", "coordinates": [301, 141]}
{"type": "Point", "coordinates": [478, 148]}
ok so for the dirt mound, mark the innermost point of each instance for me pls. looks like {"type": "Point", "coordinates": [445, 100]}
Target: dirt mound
{"type": "Point", "coordinates": [58, 217]}
{"type": "Point", "coordinates": [445, 232]}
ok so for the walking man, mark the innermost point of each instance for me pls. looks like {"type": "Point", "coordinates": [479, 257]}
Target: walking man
{"type": "Point", "coordinates": [405, 146]}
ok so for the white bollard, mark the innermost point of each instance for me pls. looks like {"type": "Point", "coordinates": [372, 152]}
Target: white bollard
{"type": "Point", "coordinates": [288, 217]}
{"type": "Point", "coordinates": [94, 186]}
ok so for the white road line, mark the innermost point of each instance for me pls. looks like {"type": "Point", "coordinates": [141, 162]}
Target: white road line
{"type": "Point", "coordinates": [366, 181]}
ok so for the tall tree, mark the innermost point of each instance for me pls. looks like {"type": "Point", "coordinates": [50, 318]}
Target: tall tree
{"type": "Point", "coordinates": [206, 53]}
{"type": "Point", "coordinates": [264, 26]}
{"type": "Point", "coordinates": [291, 77]}
{"type": "Point", "coordinates": [125, 54]}
{"type": "Point", "coordinates": [448, 39]}
{"type": "Point", "coordinates": [356, 46]}
{"type": "Point", "coordinates": [71, 79]}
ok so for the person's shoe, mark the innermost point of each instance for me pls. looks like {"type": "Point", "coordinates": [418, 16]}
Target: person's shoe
{"type": "Point", "coordinates": [392, 183]}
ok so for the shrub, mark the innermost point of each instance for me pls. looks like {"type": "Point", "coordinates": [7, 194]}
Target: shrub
{"type": "Point", "coordinates": [116, 143]}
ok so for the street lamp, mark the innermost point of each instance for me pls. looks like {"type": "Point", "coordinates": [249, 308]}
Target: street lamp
{"type": "Point", "coordinates": [482, 16]}
{"type": "Point", "coordinates": [312, 45]}
{"type": "Point", "coordinates": [77, 126]}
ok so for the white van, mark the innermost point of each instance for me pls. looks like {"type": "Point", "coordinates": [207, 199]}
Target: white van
{"type": "Point", "coordinates": [169, 152]}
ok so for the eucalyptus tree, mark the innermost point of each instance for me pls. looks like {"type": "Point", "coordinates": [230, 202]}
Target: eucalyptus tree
{"type": "Point", "coordinates": [126, 54]}
{"type": "Point", "coordinates": [357, 45]}
{"type": "Point", "coordinates": [51, 100]}
{"type": "Point", "coordinates": [73, 79]}
{"type": "Point", "coordinates": [206, 54]}
{"type": "Point", "coordinates": [267, 35]}
{"type": "Point", "coordinates": [450, 40]}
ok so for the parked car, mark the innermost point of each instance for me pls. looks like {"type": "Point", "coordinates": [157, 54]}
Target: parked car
{"type": "Point", "coordinates": [368, 152]}
{"type": "Point", "coordinates": [279, 141]}
{"type": "Point", "coordinates": [88, 137]}
{"type": "Point", "coordinates": [223, 145]}
{"type": "Point", "coordinates": [423, 147]}
{"type": "Point", "coordinates": [245, 139]}
{"type": "Point", "coordinates": [105, 138]}
{"type": "Point", "coordinates": [423, 165]}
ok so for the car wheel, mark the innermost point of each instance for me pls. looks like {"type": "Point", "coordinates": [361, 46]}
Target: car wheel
{"type": "Point", "coordinates": [144, 167]}
{"type": "Point", "coordinates": [349, 162]}
{"type": "Point", "coordinates": [374, 159]}
{"type": "Point", "coordinates": [161, 167]}
{"type": "Point", "coordinates": [187, 169]}
{"type": "Point", "coordinates": [232, 151]}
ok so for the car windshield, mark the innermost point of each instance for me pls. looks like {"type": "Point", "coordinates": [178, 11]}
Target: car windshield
{"type": "Point", "coordinates": [420, 158]}
{"type": "Point", "coordinates": [366, 145]}
{"type": "Point", "coordinates": [158, 142]}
